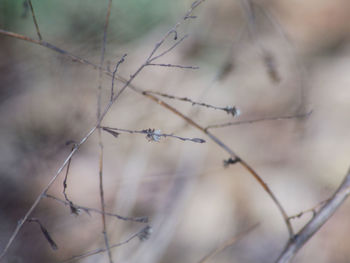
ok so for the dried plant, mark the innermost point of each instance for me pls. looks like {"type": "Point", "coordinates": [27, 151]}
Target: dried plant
{"type": "Point", "coordinates": [161, 48]}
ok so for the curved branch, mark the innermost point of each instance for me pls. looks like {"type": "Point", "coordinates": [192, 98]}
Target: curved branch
{"type": "Point", "coordinates": [317, 222]}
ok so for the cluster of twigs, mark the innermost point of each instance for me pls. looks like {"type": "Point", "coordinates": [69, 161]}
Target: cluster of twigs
{"type": "Point", "coordinates": [295, 240]}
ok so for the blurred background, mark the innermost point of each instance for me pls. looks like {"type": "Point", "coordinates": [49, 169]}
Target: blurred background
{"type": "Point", "coordinates": [268, 58]}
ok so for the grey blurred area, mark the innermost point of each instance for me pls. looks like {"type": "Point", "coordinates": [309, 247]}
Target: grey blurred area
{"type": "Point", "coordinates": [267, 58]}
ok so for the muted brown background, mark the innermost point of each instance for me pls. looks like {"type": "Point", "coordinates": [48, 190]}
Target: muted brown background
{"type": "Point", "coordinates": [193, 202]}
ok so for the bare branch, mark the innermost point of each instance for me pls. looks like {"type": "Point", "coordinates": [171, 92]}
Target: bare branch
{"type": "Point", "coordinates": [101, 250]}
{"type": "Point", "coordinates": [228, 109]}
{"type": "Point", "coordinates": [173, 66]}
{"type": "Point", "coordinates": [317, 222]}
{"type": "Point", "coordinates": [143, 219]}
{"type": "Point", "coordinates": [168, 50]}
{"type": "Point", "coordinates": [99, 98]}
{"type": "Point", "coordinates": [312, 210]}
{"type": "Point", "coordinates": [277, 118]}
{"type": "Point", "coordinates": [151, 134]}
{"type": "Point", "coordinates": [73, 208]}
{"type": "Point", "coordinates": [229, 151]}
{"type": "Point", "coordinates": [115, 72]}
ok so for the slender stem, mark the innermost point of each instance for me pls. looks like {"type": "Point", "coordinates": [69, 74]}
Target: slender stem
{"type": "Point", "coordinates": [277, 118]}
{"type": "Point", "coordinates": [100, 142]}
{"type": "Point", "coordinates": [34, 19]}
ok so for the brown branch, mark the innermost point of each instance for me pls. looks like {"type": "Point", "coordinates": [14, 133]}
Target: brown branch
{"type": "Point", "coordinates": [230, 152]}
{"type": "Point", "coordinates": [317, 222]}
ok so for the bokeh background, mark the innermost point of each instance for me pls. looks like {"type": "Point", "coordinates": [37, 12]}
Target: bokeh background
{"type": "Point", "coordinates": [194, 204]}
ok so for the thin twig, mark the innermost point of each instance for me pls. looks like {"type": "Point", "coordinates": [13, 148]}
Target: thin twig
{"type": "Point", "coordinates": [312, 210]}
{"type": "Point", "coordinates": [45, 232]}
{"type": "Point", "coordinates": [172, 66]}
{"type": "Point", "coordinates": [228, 109]}
{"type": "Point", "coordinates": [115, 72]}
{"type": "Point", "coordinates": [101, 250]}
{"type": "Point", "coordinates": [151, 134]}
{"type": "Point", "coordinates": [99, 95]}
{"type": "Point", "coordinates": [228, 243]}
{"type": "Point", "coordinates": [142, 219]}
{"type": "Point", "coordinates": [277, 118]}
{"type": "Point", "coordinates": [73, 208]}
{"type": "Point", "coordinates": [104, 230]}
{"type": "Point", "coordinates": [151, 59]}
{"type": "Point", "coordinates": [34, 19]}
{"type": "Point", "coordinates": [317, 222]}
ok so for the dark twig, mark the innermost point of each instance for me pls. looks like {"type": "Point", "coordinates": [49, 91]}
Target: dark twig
{"type": "Point", "coordinates": [151, 59]}
{"type": "Point", "coordinates": [73, 208]}
{"type": "Point", "coordinates": [228, 243]}
{"type": "Point", "coordinates": [317, 222]}
{"type": "Point", "coordinates": [34, 19]}
{"type": "Point", "coordinates": [115, 72]}
{"type": "Point", "coordinates": [151, 134]}
{"type": "Point", "coordinates": [104, 228]}
{"type": "Point", "coordinates": [45, 232]}
{"type": "Point", "coordinates": [228, 109]}
{"type": "Point", "coordinates": [140, 234]}
{"type": "Point", "coordinates": [142, 219]}
{"type": "Point", "coordinates": [277, 118]}
{"type": "Point", "coordinates": [172, 66]}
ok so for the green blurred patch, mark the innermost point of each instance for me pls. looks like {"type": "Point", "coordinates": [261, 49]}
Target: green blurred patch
{"type": "Point", "coordinates": [83, 20]}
